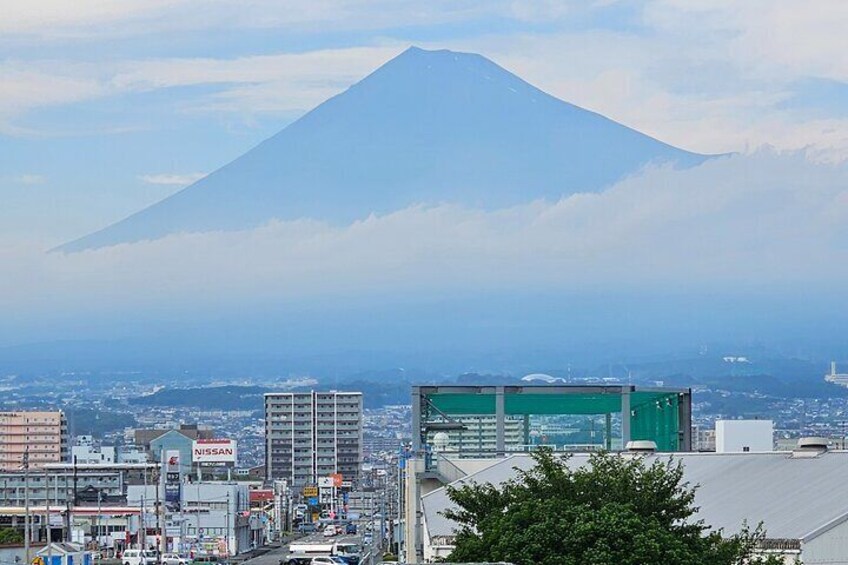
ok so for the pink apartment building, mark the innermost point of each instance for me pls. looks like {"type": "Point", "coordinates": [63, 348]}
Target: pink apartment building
{"type": "Point", "coordinates": [44, 435]}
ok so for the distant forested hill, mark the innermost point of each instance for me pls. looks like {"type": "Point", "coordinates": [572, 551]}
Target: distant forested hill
{"type": "Point", "coordinates": [233, 397]}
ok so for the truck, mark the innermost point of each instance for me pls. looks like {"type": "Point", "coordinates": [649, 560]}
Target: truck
{"type": "Point", "coordinates": [302, 552]}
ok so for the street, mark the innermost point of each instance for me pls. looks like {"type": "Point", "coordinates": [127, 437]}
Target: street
{"type": "Point", "coordinates": [273, 557]}
{"type": "Point", "coordinates": [278, 554]}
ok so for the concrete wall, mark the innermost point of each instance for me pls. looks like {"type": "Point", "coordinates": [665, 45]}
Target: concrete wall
{"type": "Point", "coordinates": [738, 436]}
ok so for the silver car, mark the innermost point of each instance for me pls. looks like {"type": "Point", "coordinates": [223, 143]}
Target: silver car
{"type": "Point", "coordinates": [174, 559]}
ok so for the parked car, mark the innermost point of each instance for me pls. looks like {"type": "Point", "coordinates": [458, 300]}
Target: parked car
{"type": "Point", "coordinates": [174, 559]}
{"type": "Point", "coordinates": [205, 559]}
{"type": "Point", "coordinates": [330, 531]}
{"type": "Point", "coordinates": [327, 561]}
{"type": "Point", "coordinates": [138, 557]}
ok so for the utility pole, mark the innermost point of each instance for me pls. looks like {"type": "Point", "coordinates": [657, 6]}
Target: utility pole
{"type": "Point", "coordinates": [141, 525]}
{"type": "Point", "coordinates": [48, 534]}
{"type": "Point", "coordinates": [27, 555]}
{"type": "Point", "coordinates": [66, 526]}
{"type": "Point", "coordinates": [99, 510]}
{"type": "Point", "coordinates": [400, 532]}
{"type": "Point", "coordinates": [160, 515]}
{"type": "Point", "coordinates": [228, 526]}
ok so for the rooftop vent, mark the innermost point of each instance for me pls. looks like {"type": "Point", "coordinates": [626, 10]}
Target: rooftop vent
{"type": "Point", "coordinates": [813, 443]}
{"type": "Point", "coordinates": [810, 447]}
{"type": "Point", "coordinates": [641, 446]}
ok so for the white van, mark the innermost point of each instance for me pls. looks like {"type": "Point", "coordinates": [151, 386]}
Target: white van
{"type": "Point", "coordinates": [138, 557]}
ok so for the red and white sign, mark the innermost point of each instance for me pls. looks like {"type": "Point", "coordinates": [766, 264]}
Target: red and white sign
{"type": "Point", "coordinates": [214, 451]}
{"type": "Point", "coordinates": [172, 461]}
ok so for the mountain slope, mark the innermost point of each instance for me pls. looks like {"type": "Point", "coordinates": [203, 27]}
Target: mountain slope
{"type": "Point", "coordinates": [426, 127]}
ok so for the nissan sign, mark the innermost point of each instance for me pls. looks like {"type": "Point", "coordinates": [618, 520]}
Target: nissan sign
{"type": "Point", "coordinates": [214, 451]}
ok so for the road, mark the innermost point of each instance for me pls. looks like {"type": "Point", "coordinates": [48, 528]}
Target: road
{"type": "Point", "coordinates": [276, 555]}
{"type": "Point", "coordinates": [273, 557]}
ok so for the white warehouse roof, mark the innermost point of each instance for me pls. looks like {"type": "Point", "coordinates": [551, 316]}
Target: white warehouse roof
{"type": "Point", "coordinates": [795, 498]}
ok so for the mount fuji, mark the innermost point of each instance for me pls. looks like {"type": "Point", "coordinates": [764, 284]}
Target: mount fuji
{"type": "Point", "coordinates": [427, 127]}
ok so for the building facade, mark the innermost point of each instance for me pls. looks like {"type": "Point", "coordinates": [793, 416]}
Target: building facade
{"type": "Point", "coordinates": [61, 487]}
{"type": "Point", "coordinates": [310, 435]}
{"type": "Point", "coordinates": [212, 518]}
{"type": "Point", "coordinates": [497, 420]}
{"type": "Point", "coordinates": [42, 436]}
{"type": "Point", "coordinates": [85, 451]}
{"type": "Point", "coordinates": [146, 438]}
{"type": "Point", "coordinates": [744, 436]}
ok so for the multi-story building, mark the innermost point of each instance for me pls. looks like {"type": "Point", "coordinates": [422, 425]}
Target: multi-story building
{"type": "Point", "coordinates": [309, 435]}
{"type": "Point", "coordinates": [157, 442]}
{"type": "Point", "coordinates": [146, 438]}
{"type": "Point", "coordinates": [213, 517]}
{"type": "Point", "coordinates": [43, 436]}
{"type": "Point", "coordinates": [478, 436]}
{"type": "Point", "coordinates": [60, 487]}
{"type": "Point", "coordinates": [86, 452]}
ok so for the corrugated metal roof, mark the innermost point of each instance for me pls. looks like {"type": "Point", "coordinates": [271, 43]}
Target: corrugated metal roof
{"type": "Point", "coordinates": [794, 498]}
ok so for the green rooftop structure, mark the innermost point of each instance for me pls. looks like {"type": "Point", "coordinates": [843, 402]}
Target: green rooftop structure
{"type": "Point", "coordinates": [503, 415]}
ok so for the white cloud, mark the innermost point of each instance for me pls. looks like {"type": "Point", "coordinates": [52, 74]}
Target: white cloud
{"type": "Point", "coordinates": [83, 19]}
{"type": "Point", "coordinates": [266, 83]}
{"type": "Point", "coordinates": [29, 179]}
{"type": "Point", "coordinates": [173, 179]}
{"type": "Point", "coordinates": [763, 218]}
{"type": "Point", "coordinates": [698, 79]}
{"type": "Point", "coordinates": [26, 87]}
{"type": "Point", "coordinates": [282, 83]}
{"type": "Point", "coordinates": [47, 17]}
{"type": "Point", "coordinates": [767, 37]}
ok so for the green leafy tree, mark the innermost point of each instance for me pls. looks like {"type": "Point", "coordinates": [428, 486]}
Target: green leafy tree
{"type": "Point", "coordinates": [11, 536]}
{"type": "Point", "coordinates": [613, 511]}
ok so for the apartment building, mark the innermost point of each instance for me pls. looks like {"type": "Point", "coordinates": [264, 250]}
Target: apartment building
{"type": "Point", "coordinates": [478, 436]}
{"type": "Point", "coordinates": [41, 435]}
{"type": "Point", "coordinates": [309, 435]}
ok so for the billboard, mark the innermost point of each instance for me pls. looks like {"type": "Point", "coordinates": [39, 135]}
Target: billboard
{"type": "Point", "coordinates": [172, 461]}
{"type": "Point", "coordinates": [213, 451]}
{"type": "Point", "coordinates": [172, 480]}
{"type": "Point", "coordinates": [172, 496]}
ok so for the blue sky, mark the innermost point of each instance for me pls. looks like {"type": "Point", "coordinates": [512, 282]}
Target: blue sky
{"type": "Point", "coordinates": [106, 107]}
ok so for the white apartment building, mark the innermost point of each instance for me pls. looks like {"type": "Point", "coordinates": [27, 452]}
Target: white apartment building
{"type": "Point", "coordinates": [309, 435]}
